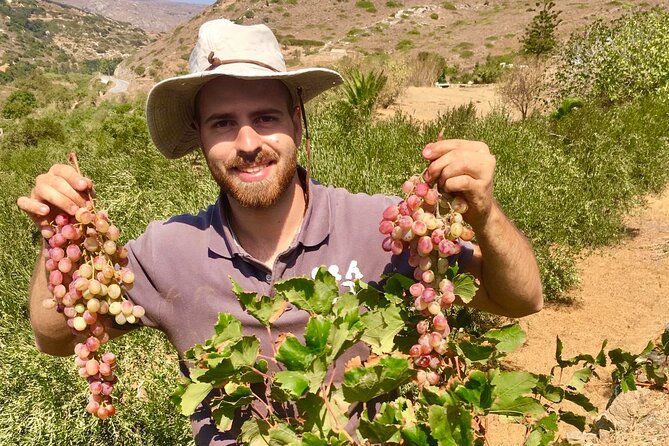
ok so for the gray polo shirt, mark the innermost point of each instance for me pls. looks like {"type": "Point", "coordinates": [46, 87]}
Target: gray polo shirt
{"type": "Point", "coordinates": [182, 267]}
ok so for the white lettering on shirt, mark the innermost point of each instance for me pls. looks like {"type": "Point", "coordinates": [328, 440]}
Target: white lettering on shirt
{"type": "Point", "coordinates": [353, 273]}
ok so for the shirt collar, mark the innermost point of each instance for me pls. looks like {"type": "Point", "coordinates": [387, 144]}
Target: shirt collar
{"type": "Point", "coordinates": [316, 226]}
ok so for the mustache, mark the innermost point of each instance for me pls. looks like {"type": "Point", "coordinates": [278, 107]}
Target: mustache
{"type": "Point", "coordinates": [263, 156]}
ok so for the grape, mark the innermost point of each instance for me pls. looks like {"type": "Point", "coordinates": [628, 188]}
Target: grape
{"type": "Point", "coordinates": [87, 276]}
{"type": "Point", "coordinates": [430, 226]}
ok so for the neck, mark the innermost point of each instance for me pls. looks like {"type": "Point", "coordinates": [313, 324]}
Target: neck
{"type": "Point", "coordinates": [266, 233]}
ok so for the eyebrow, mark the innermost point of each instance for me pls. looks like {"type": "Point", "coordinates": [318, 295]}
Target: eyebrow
{"type": "Point", "coordinates": [232, 115]}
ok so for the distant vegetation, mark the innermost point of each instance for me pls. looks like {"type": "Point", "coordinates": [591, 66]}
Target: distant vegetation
{"type": "Point", "coordinates": [86, 43]}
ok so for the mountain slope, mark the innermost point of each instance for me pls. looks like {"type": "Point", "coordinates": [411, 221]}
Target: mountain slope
{"type": "Point", "coordinates": [55, 37]}
{"type": "Point", "coordinates": [149, 15]}
{"type": "Point", "coordinates": [320, 32]}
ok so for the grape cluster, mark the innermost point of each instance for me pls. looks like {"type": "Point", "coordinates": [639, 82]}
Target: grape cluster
{"type": "Point", "coordinates": [430, 226]}
{"type": "Point", "coordinates": [88, 275]}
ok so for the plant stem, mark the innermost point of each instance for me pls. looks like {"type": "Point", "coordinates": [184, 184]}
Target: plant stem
{"type": "Point", "coordinates": [338, 427]}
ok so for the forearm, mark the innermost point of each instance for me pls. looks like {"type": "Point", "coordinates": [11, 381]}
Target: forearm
{"type": "Point", "coordinates": [52, 335]}
{"type": "Point", "coordinates": [508, 270]}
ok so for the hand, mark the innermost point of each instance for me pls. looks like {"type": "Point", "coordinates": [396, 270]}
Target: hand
{"type": "Point", "coordinates": [61, 189]}
{"type": "Point", "coordinates": [466, 168]}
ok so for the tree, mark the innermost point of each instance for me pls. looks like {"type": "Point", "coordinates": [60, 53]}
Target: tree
{"type": "Point", "coordinates": [523, 86]}
{"type": "Point", "coordinates": [539, 36]}
{"type": "Point", "coordinates": [19, 104]}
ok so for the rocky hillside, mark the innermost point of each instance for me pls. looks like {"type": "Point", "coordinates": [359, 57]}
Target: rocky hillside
{"type": "Point", "coordinates": [60, 38]}
{"type": "Point", "coordinates": [149, 15]}
{"type": "Point", "coordinates": [323, 31]}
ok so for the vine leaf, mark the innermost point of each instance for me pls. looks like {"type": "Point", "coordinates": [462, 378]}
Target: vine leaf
{"type": "Point", "coordinates": [291, 382]}
{"type": "Point", "coordinates": [543, 431]}
{"type": "Point", "coordinates": [509, 338]}
{"type": "Point", "coordinates": [293, 354]}
{"type": "Point", "coordinates": [365, 383]}
{"type": "Point", "coordinates": [465, 287]}
{"type": "Point", "coordinates": [509, 393]}
{"type": "Point", "coordinates": [193, 396]}
{"type": "Point", "coordinates": [381, 327]}
{"type": "Point", "coordinates": [315, 296]}
{"type": "Point", "coordinates": [264, 308]}
{"type": "Point", "coordinates": [580, 378]}
{"type": "Point", "coordinates": [451, 425]}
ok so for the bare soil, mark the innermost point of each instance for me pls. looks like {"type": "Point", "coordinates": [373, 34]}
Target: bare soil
{"type": "Point", "coordinates": [426, 103]}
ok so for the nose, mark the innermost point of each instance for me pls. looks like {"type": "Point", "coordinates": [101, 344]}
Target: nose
{"type": "Point", "coordinates": [248, 140]}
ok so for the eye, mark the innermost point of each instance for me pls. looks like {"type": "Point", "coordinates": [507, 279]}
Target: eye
{"type": "Point", "coordinates": [222, 123]}
{"type": "Point", "coordinates": [266, 119]}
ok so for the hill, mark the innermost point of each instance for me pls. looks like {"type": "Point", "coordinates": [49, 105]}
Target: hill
{"type": "Point", "coordinates": [149, 15]}
{"type": "Point", "coordinates": [60, 38]}
{"type": "Point", "coordinates": [322, 32]}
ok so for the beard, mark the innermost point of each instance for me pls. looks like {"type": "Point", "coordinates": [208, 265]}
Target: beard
{"type": "Point", "coordinates": [256, 194]}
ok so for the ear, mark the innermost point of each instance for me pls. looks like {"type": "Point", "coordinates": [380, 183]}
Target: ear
{"type": "Point", "coordinates": [297, 125]}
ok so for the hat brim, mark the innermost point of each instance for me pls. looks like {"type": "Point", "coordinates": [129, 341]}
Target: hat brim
{"type": "Point", "coordinates": [171, 103]}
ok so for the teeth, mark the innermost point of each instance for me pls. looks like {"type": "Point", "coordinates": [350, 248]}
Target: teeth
{"type": "Point", "coordinates": [251, 169]}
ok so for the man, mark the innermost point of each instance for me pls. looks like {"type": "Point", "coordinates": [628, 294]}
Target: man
{"type": "Point", "coordinates": [271, 222]}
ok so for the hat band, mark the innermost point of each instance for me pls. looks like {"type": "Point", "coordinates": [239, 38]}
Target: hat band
{"type": "Point", "coordinates": [215, 62]}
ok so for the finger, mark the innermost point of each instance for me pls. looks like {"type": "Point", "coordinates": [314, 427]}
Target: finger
{"type": "Point", "coordinates": [36, 210]}
{"type": "Point", "coordinates": [457, 163]}
{"type": "Point", "coordinates": [77, 181]}
{"type": "Point", "coordinates": [57, 192]}
{"type": "Point", "coordinates": [461, 183]}
{"type": "Point", "coordinates": [434, 150]}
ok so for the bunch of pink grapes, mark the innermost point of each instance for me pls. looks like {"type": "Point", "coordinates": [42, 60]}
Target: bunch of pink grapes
{"type": "Point", "coordinates": [88, 278]}
{"type": "Point", "coordinates": [430, 226]}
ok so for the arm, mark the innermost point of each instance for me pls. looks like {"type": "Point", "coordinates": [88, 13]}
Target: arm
{"type": "Point", "coordinates": [503, 260]}
{"type": "Point", "coordinates": [62, 188]}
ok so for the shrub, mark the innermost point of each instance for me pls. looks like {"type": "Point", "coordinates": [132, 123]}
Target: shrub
{"type": "Point", "coordinates": [523, 86]}
{"type": "Point", "coordinates": [361, 91]}
{"type": "Point", "coordinates": [448, 5]}
{"type": "Point", "coordinates": [405, 44]}
{"type": "Point", "coordinates": [614, 62]}
{"type": "Point", "coordinates": [19, 104]}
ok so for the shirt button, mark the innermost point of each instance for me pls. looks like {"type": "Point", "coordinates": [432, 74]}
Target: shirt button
{"type": "Point", "coordinates": [268, 278]}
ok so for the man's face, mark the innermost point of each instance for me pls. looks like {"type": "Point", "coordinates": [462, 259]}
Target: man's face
{"type": "Point", "coordinates": [248, 137]}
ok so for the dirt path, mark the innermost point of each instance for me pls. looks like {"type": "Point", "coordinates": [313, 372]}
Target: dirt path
{"type": "Point", "coordinates": [425, 103]}
{"type": "Point", "coordinates": [623, 297]}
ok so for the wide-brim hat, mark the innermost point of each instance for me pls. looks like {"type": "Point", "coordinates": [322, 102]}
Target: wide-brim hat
{"type": "Point", "coordinates": [223, 49]}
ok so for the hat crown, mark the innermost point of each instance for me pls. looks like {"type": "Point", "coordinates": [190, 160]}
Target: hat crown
{"type": "Point", "coordinates": [231, 42]}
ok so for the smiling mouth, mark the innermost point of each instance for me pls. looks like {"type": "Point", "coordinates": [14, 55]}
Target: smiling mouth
{"type": "Point", "coordinates": [253, 168]}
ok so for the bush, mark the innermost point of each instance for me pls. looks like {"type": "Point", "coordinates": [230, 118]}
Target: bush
{"type": "Point", "coordinates": [31, 131]}
{"type": "Point", "coordinates": [361, 91]}
{"type": "Point", "coordinates": [615, 62]}
{"type": "Point", "coordinates": [19, 104]}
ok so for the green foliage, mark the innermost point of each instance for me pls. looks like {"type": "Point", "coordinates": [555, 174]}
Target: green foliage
{"type": "Point", "coordinates": [473, 385]}
{"type": "Point", "coordinates": [367, 5]}
{"type": "Point", "coordinates": [405, 44]}
{"type": "Point", "coordinates": [567, 106]}
{"type": "Point", "coordinates": [615, 62]}
{"type": "Point", "coordinates": [448, 5]}
{"type": "Point", "coordinates": [540, 36]}
{"type": "Point", "coordinates": [361, 91]}
{"type": "Point", "coordinates": [19, 104]}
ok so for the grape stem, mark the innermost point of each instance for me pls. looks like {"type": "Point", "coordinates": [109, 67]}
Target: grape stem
{"type": "Point", "coordinates": [74, 162]}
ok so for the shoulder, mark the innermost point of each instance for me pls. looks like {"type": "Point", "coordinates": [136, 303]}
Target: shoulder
{"type": "Point", "coordinates": [174, 233]}
{"type": "Point", "coordinates": [361, 203]}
